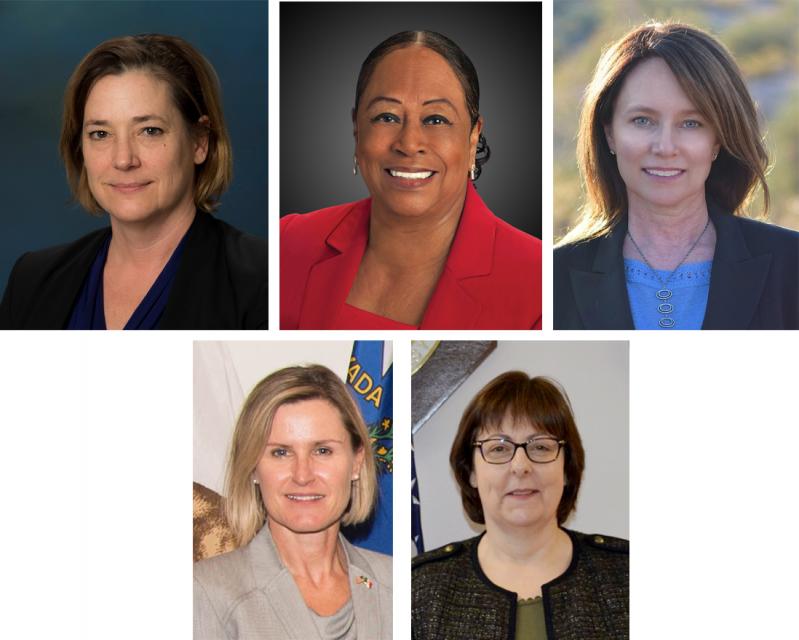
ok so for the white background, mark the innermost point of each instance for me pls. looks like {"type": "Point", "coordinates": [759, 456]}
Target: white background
{"type": "Point", "coordinates": [96, 467]}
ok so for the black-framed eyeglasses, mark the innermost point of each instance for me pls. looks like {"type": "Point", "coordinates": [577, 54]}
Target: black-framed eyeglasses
{"type": "Point", "coordinates": [540, 449]}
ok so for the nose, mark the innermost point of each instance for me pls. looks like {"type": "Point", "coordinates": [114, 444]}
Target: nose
{"type": "Point", "coordinates": [663, 143]}
{"type": "Point", "coordinates": [410, 139]}
{"type": "Point", "coordinates": [520, 464]}
{"type": "Point", "coordinates": [303, 470]}
{"type": "Point", "coordinates": [125, 154]}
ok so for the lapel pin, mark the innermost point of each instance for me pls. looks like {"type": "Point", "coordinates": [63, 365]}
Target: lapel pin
{"type": "Point", "coordinates": [364, 580]}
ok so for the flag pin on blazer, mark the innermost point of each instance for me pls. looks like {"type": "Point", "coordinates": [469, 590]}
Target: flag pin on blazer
{"type": "Point", "coordinates": [365, 581]}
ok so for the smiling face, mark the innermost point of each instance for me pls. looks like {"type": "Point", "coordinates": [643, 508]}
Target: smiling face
{"type": "Point", "coordinates": [137, 150]}
{"type": "Point", "coordinates": [519, 493]}
{"type": "Point", "coordinates": [664, 146]}
{"type": "Point", "coordinates": [307, 467]}
{"type": "Point", "coordinates": [414, 140]}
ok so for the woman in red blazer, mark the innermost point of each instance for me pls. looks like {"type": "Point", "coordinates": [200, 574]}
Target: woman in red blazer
{"type": "Point", "coordinates": [424, 252]}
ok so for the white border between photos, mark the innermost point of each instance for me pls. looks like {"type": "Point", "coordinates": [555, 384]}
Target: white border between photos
{"type": "Point", "coordinates": [96, 459]}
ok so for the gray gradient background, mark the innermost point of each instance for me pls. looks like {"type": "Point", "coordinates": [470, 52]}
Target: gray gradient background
{"type": "Point", "coordinates": [41, 43]}
{"type": "Point", "coordinates": [322, 46]}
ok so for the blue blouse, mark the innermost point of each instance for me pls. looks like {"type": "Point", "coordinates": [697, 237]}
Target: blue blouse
{"type": "Point", "coordinates": [89, 310]}
{"type": "Point", "coordinates": [685, 309]}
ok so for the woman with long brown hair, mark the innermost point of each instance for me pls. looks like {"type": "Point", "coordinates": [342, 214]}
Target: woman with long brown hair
{"type": "Point", "coordinates": [671, 154]}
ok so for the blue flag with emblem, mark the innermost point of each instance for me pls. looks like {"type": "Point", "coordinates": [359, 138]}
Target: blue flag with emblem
{"type": "Point", "coordinates": [373, 391]}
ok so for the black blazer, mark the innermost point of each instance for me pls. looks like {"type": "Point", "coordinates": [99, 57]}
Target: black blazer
{"type": "Point", "coordinates": [452, 598]}
{"type": "Point", "coordinates": [221, 281]}
{"type": "Point", "coordinates": [754, 281]}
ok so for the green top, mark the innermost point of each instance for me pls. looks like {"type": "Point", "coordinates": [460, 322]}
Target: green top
{"type": "Point", "coordinates": [530, 623]}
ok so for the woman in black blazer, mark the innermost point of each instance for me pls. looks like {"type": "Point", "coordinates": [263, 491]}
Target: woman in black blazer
{"type": "Point", "coordinates": [671, 154]}
{"type": "Point", "coordinates": [144, 140]}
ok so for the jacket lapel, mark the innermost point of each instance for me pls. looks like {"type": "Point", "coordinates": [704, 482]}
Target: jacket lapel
{"type": "Point", "coordinates": [470, 256]}
{"type": "Point", "coordinates": [53, 307]}
{"type": "Point", "coordinates": [737, 278]}
{"type": "Point", "coordinates": [330, 279]}
{"type": "Point", "coordinates": [601, 294]}
{"type": "Point", "coordinates": [365, 599]}
{"type": "Point", "coordinates": [280, 590]}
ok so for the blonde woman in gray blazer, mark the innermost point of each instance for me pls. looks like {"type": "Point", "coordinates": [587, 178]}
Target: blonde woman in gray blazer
{"type": "Point", "coordinates": [300, 467]}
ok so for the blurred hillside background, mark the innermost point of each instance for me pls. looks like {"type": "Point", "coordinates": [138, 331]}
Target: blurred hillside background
{"type": "Point", "coordinates": [763, 35]}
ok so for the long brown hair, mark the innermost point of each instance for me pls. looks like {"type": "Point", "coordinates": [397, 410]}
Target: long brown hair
{"type": "Point", "coordinates": [712, 81]}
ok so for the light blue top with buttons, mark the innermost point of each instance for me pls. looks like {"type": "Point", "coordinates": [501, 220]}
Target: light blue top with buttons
{"type": "Point", "coordinates": [685, 309]}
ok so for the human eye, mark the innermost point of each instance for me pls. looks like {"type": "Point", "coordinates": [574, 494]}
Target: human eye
{"type": "Point", "coordinates": [436, 120]}
{"type": "Point", "coordinates": [98, 134]}
{"type": "Point", "coordinates": [152, 131]}
{"type": "Point", "coordinates": [544, 445]}
{"type": "Point", "coordinates": [498, 446]}
{"type": "Point", "coordinates": [386, 117]}
{"type": "Point", "coordinates": [324, 451]}
{"type": "Point", "coordinates": [691, 124]}
{"type": "Point", "coordinates": [641, 121]}
{"type": "Point", "coordinates": [279, 452]}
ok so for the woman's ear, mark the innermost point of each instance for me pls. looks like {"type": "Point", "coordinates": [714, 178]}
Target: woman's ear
{"type": "Point", "coordinates": [358, 463]}
{"type": "Point", "coordinates": [202, 133]}
{"type": "Point", "coordinates": [474, 138]}
{"type": "Point", "coordinates": [609, 138]}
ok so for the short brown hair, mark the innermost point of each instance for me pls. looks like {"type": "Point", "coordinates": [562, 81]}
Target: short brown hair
{"type": "Point", "coordinates": [538, 400]}
{"type": "Point", "coordinates": [244, 507]}
{"type": "Point", "coordinates": [195, 92]}
{"type": "Point", "coordinates": [712, 81]}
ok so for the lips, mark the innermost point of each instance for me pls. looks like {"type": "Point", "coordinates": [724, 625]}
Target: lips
{"type": "Point", "coordinates": [129, 187]}
{"type": "Point", "coordinates": [659, 172]}
{"type": "Point", "coordinates": [304, 497]}
{"type": "Point", "coordinates": [410, 177]}
{"type": "Point", "coordinates": [521, 493]}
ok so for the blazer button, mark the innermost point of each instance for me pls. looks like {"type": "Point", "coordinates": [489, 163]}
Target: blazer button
{"type": "Point", "coordinates": [599, 539]}
{"type": "Point", "coordinates": [449, 548]}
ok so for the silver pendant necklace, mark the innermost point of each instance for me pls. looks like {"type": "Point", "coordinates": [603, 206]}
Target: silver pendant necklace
{"type": "Point", "coordinates": [664, 293]}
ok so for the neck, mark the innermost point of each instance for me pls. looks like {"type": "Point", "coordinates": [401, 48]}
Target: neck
{"type": "Point", "coordinates": [667, 238]}
{"type": "Point", "coordinates": [522, 545]}
{"type": "Point", "coordinates": [413, 243]}
{"type": "Point", "coordinates": [309, 555]}
{"type": "Point", "coordinates": [667, 227]}
{"type": "Point", "coordinates": [151, 242]}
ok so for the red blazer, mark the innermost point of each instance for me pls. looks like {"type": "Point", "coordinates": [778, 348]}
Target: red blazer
{"type": "Point", "coordinates": [491, 279]}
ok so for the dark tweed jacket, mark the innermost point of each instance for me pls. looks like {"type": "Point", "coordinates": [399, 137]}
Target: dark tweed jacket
{"type": "Point", "coordinates": [452, 599]}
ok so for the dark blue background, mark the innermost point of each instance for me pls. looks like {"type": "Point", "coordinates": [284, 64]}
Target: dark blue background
{"type": "Point", "coordinates": [41, 43]}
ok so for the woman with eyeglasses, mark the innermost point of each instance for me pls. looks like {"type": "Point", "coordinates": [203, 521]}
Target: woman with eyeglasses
{"type": "Point", "coordinates": [518, 460]}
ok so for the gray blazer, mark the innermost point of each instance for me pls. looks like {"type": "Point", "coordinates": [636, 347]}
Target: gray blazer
{"type": "Point", "coordinates": [248, 594]}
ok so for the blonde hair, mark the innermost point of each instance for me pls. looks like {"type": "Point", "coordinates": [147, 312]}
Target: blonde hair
{"type": "Point", "coordinates": [195, 92]}
{"type": "Point", "coordinates": [244, 507]}
{"type": "Point", "coordinates": [712, 81]}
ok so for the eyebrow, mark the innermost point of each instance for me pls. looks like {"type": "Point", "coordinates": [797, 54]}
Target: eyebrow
{"type": "Point", "coordinates": [134, 119]}
{"type": "Point", "coordinates": [396, 101]}
{"type": "Point", "coordinates": [537, 434]}
{"type": "Point", "coordinates": [315, 444]}
{"type": "Point", "coordinates": [645, 109]}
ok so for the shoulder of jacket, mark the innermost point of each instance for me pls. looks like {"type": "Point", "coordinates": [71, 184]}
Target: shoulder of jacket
{"type": "Point", "coordinates": [48, 255]}
{"type": "Point", "coordinates": [322, 219]}
{"type": "Point", "coordinates": [449, 551]}
{"type": "Point", "coordinates": [225, 578]}
{"type": "Point", "coordinates": [766, 230]}
{"type": "Point", "coordinates": [597, 541]}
